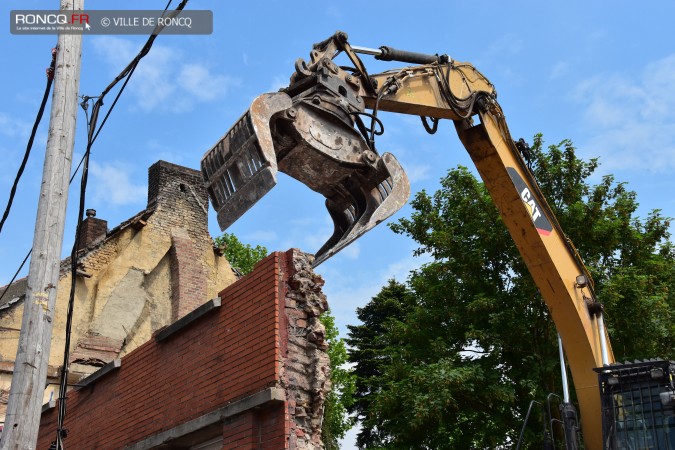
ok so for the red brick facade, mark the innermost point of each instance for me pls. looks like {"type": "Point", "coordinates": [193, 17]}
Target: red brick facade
{"type": "Point", "coordinates": [188, 280]}
{"type": "Point", "coordinates": [228, 373]}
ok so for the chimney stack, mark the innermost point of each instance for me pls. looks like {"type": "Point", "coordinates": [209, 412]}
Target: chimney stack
{"type": "Point", "coordinates": [167, 182]}
{"type": "Point", "coordinates": [93, 230]}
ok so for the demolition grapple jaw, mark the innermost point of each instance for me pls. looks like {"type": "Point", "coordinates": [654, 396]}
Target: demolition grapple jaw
{"type": "Point", "coordinates": [375, 206]}
{"type": "Point", "coordinates": [242, 167]}
{"type": "Point", "coordinates": [308, 132]}
{"type": "Point", "coordinates": [361, 188]}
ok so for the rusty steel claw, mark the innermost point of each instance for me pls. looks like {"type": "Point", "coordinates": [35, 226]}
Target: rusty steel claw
{"type": "Point", "coordinates": [380, 203]}
{"type": "Point", "coordinates": [310, 140]}
{"type": "Point", "coordinates": [242, 167]}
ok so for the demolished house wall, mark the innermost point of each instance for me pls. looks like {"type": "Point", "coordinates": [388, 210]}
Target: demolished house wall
{"type": "Point", "coordinates": [132, 280]}
{"type": "Point", "coordinates": [249, 371]}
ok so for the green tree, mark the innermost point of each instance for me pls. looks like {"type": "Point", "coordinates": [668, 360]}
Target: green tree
{"type": "Point", "coordinates": [242, 257]}
{"type": "Point", "coordinates": [336, 420]}
{"type": "Point", "coordinates": [462, 365]}
{"type": "Point", "coordinates": [369, 355]}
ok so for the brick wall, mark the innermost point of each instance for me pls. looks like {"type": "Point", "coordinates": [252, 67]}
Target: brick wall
{"type": "Point", "coordinates": [305, 370]}
{"type": "Point", "coordinates": [232, 353]}
{"type": "Point", "coordinates": [188, 279]}
{"type": "Point", "coordinates": [93, 230]}
{"type": "Point", "coordinates": [257, 429]}
{"type": "Point", "coordinates": [180, 193]}
{"type": "Point", "coordinates": [180, 199]}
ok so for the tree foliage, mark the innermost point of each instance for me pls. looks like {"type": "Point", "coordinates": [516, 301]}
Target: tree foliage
{"type": "Point", "coordinates": [242, 257]}
{"type": "Point", "coordinates": [336, 420]}
{"type": "Point", "coordinates": [369, 350]}
{"type": "Point", "coordinates": [456, 364]}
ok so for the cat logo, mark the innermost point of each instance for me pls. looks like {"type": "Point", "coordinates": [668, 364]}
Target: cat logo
{"type": "Point", "coordinates": [540, 221]}
{"type": "Point", "coordinates": [530, 203]}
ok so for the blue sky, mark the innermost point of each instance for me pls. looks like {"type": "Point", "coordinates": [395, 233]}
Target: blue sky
{"type": "Point", "coordinates": [599, 73]}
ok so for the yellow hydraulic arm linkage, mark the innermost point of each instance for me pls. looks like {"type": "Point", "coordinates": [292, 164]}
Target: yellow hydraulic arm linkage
{"type": "Point", "coordinates": [313, 131]}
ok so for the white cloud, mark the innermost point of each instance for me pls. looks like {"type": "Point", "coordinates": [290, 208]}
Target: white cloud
{"type": "Point", "coordinates": [278, 82]}
{"type": "Point", "coordinates": [115, 51]}
{"type": "Point", "coordinates": [164, 80]}
{"type": "Point", "coordinates": [352, 251]}
{"type": "Point", "coordinates": [559, 69]}
{"type": "Point", "coordinates": [318, 236]}
{"type": "Point", "coordinates": [631, 120]}
{"type": "Point", "coordinates": [306, 232]}
{"type": "Point", "coordinates": [111, 183]}
{"type": "Point", "coordinates": [509, 44]}
{"type": "Point", "coordinates": [160, 150]}
{"type": "Point", "coordinates": [303, 221]}
{"type": "Point", "coordinates": [333, 12]}
{"type": "Point", "coordinates": [13, 127]}
{"type": "Point", "coordinates": [417, 172]}
{"type": "Point", "coordinates": [199, 81]}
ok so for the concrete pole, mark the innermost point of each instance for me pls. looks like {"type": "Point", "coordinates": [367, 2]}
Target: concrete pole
{"type": "Point", "coordinates": [30, 367]}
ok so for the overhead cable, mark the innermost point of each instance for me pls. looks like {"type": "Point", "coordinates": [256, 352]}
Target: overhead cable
{"type": "Point", "coordinates": [92, 135]}
{"type": "Point", "coordinates": [50, 79]}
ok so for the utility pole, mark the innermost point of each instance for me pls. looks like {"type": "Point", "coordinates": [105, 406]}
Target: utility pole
{"type": "Point", "coordinates": [32, 358]}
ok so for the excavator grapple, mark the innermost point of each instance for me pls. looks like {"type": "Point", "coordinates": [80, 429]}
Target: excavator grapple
{"type": "Point", "coordinates": [242, 166]}
{"type": "Point", "coordinates": [308, 132]}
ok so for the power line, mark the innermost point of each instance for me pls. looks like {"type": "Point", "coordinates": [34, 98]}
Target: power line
{"type": "Point", "coordinates": [92, 135]}
{"type": "Point", "coordinates": [16, 274]}
{"type": "Point", "coordinates": [38, 119]}
{"type": "Point", "coordinates": [45, 97]}
{"type": "Point", "coordinates": [32, 355]}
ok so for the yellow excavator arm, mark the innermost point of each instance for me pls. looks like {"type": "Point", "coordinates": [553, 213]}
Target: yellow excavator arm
{"type": "Point", "coordinates": [314, 131]}
{"type": "Point", "coordinates": [459, 92]}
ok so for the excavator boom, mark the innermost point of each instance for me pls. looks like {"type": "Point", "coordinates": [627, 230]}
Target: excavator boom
{"type": "Point", "coordinates": [314, 130]}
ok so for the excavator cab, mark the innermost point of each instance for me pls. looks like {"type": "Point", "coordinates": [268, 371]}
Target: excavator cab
{"type": "Point", "coordinates": [638, 405]}
{"type": "Point", "coordinates": [312, 131]}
